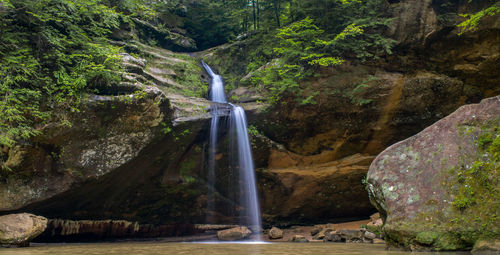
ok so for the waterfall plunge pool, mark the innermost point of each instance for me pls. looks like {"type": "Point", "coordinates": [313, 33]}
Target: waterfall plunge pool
{"type": "Point", "coordinates": [237, 248]}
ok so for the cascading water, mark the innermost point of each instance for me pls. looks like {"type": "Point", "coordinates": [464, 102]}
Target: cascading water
{"type": "Point", "coordinates": [216, 86]}
{"type": "Point", "coordinates": [247, 170]}
{"type": "Point", "coordinates": [238, 126]}
{"type": "Point", "coordinates": [216, 95]}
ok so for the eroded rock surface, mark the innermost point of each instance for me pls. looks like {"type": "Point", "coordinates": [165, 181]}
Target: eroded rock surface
{"type": "Point", "coordinates": [88, 230]}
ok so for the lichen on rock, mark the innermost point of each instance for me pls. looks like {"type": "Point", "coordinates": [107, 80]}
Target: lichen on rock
{"type": "Point", "coordinates": [444, 199]}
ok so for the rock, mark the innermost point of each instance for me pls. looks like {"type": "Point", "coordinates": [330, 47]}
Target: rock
{"type": "Point", "coordinates": [486, 247]}
{"type": "Point", "coordinates": [415, 21]}
{"type": "Point", "coordinates": [275, 233]}
{"type": "Point", "coordinates": [318, 191]}
{"type": "Point", "coordinates": [350, 235]}
{"type": "Point", "coordinates": [316, 230]}
{"type": "Point", "coordinates": [132, 60]}
{"type": "Point", "coordinates": [299, 239]}
{"type": "Point", "coordinates": [245, 95]}
{"type": "Point", "coordinates": [378, 241]}
{"type": "Point", "coordinates": [369, 235]}
{"type": "Point", "coordinates": [374, 217]}
{"type": "Point", "coordinates": [234, 234]}
{"type": "Point", "coordinates": [321, 231]}
{"type": "Point", "coordinates": [20, 229]}
{"type": "Point", "coordinates": [332, 236]}
{"type": "Point", "coordinates": [376, 223]}
{"type": "Point", "coordinates": [416, 183]}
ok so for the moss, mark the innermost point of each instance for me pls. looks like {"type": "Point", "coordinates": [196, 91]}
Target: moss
{"type": "Point", "coordinates": [450, 242]}
{"type": "Point", "coordinates": [186, 169]}
{"type": "Point", "coordinates": [427, 237]}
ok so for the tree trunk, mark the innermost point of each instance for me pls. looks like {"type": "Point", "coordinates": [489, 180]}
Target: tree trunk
{"type": "Point", "coordinates": [254, 16]}
{"type": "Point", "coordinates": [258, 14]}
{"type": "Point", "coordinates": [277, 11]}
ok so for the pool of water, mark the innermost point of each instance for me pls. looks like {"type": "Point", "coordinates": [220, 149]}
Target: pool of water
{"type": "Point", "coordinates": [211, 248]}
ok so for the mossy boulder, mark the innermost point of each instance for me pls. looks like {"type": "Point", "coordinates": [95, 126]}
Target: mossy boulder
{"type": "Point", "coordinates": [438, 190]}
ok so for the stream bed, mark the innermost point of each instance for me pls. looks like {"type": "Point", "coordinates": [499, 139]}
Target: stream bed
{"type": "Point", "coordinates": [154, 248]}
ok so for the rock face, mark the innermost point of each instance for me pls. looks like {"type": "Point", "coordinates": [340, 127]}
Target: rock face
{"type": "Point", "coordinates": [234, 234]}
{"type": "Point", "coordinates": [138, 143]}
{"type": "Point", "coordinates": [20, 229]}
{"type": "Point", "coordinates": [313, 191]}
{"type": "Point", "coordinates": [415, 21]}
{"type": "Point", "coordinates": [425, 187]}
{"type": "Point", "coordinates": [87, 230]}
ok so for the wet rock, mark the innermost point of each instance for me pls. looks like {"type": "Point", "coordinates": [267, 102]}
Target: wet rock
{"type": "Point", "coordinates": [351, 236]}
{"type": "Point", "coordinates": [486, 247]}
{"type": "Point", "coordinates": [275, 233]}
{"type": "Point", "coordinates": [299, 239]}
{"type": "Point", "coordinates": [369, 235]}
{"type": "Point", "coordinates": [20, 229]}
{"type": "Point", "coordinates": [415, 183]}
{"type": "Point", "coordinates": [378, 241]}
{"type": "Point", "coordinates": [320, 232]}
{"type": "Point", "coordinates": [332, 236]}
{"type": "Point", "coordinates": [234, 234]}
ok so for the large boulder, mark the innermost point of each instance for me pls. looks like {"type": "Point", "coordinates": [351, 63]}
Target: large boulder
{"type": "Point", "coordinates": [439, 189]}
{"type": "Point", "coordinates": [20, 229]}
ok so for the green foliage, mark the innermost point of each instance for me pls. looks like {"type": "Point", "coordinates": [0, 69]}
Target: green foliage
{"type": "Point", "coordinates": [252, 130]}
{"type": "Point", "coordinates": [356, 96]}
{"type": "Point", "coordinates": [50, 53]}
{"type": "Point", "coordinates": [302, 47]}
{"type": "Point", "coordinates": [472, 20]}
{"type": "Point", "coordinates": [315, 35]}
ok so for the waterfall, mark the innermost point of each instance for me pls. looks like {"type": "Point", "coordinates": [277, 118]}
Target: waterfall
{"type": "Point", "coordinates": [246, 167]}
{"type": "Point", "coordinates": [238, 129]}
{"type": "Point", "coordinates": [216, 95]}
{"type": "Point", "coordinates": [216, 86]}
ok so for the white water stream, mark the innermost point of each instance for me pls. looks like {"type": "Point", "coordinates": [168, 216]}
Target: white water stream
{"type": "Point", "coordinates": [238, 125]}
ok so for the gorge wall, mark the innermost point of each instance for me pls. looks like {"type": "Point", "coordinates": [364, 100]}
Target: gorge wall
{"type": "Point", "coordinates": [137, 152]}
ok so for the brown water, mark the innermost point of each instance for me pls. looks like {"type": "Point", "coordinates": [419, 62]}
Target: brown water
{"type": "Point", "coordinates": [212, 248]}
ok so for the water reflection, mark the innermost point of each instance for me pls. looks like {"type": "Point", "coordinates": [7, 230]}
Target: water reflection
{"type": "Point", "coordinates": [213, 248]}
